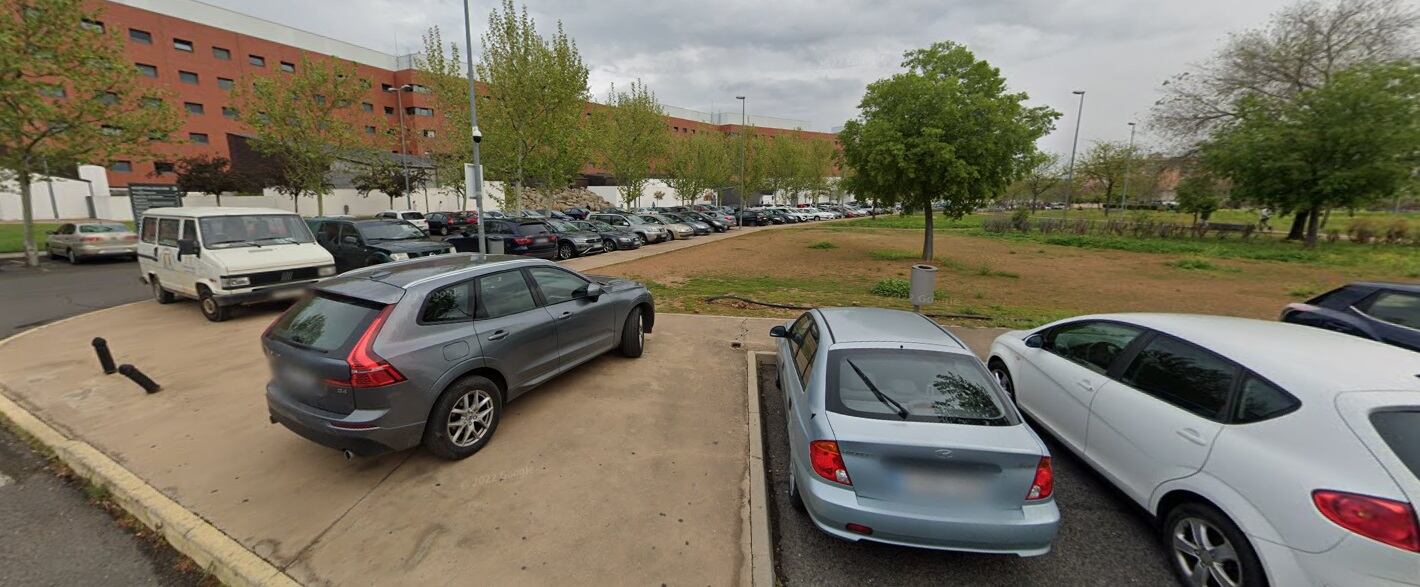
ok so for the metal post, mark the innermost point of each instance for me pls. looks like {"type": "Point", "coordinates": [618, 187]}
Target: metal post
{"type": "Point", "coordinates": [403, 148]}
{"type": "Point", "coordinates": [49, 181]}
{"type": "Point", "coordinates": [477, 186]}
{"type": "Point", "coordinates": [1070, 174]}
{"type": "Point", "coordinates": [744, 146]}
{"type": "Point", "coordinates": [1128, 172]}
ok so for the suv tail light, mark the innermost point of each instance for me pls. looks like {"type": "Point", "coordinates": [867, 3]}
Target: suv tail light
{"type": "Point", "coordinates": [368, 369]}
{"type": "Point", "coordinates": [823, 455]}
{"type": "Point", "coordinates": [522, 240]}
{"type": "Point", "coordinates": [1043, 486]}
{"type": "Point", "coordinates": [1383, 520]}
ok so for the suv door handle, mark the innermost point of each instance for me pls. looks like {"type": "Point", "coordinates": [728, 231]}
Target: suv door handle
{"type": "Point", "coordinates": [564, 315]}
{"type": "Point", "coordinates": [498, 334]}
{"type": "Point", "coordinates": [1193, 436]}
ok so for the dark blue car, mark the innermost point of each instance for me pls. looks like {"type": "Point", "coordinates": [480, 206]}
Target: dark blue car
{"type": "Point", "coordinates": [1387, 312]}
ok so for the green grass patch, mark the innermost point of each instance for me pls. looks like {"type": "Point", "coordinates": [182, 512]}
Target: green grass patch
{"type": "Point", "coordinates": [1305, 291]}
{"type": "Point", "coordinates": [892, 288]}
{"type": "Point", "coordinates": [1199, 264]}
{"type": "Point", "coordinates": [12, 236]}
{"type": "Point", "coordinates": [823, 245]}
{"type": "Point", "coordinates": [893, 255]}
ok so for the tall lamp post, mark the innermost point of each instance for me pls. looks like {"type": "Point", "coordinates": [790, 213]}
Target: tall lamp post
{"type": "Point", "coordinates": [1128, 172]}
{"type": "Point", "coordinates": [744, 142]}
{"type": "Point", "coordinates": [403, 149]}
{"type": "Point", "coordinates": [474, 179]}
{"type": "Point", "coordinates": [1070, 174]}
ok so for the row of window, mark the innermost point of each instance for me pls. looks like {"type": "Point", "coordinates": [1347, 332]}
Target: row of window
{"type": "Point", "coordinates": [501, 294]}
{"type": "Point", "coordinates": [191, 78]}
{"type": "Point", "coordinates": [143, 37]}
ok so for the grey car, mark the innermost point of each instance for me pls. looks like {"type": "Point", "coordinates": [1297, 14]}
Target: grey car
{"type": "Point", "coordinates": [429, 351]}
{"type": "Point", "coordinates": [701, 227]}
{"type": "Point", "coordinates": [647, 231]}
{"type": "Point", "coordinates": [899, 434]}
{"type": "Point", "coordinates": [675, 228]}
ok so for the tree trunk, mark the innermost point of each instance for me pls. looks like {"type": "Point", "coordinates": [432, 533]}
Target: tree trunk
{"type": "Point", "coordinates": [320, 204]}
{"type": "Point", "coordinates": [28, 209]}
{"type": "Point", "coordinates": [219, 199]}
{"type": "Point", "coordinates": [1299, 226]}
{"type": "Point", "coordinates": [296, 203]}
{"type": "Point", "coordinates": [927, 252]}
{"type": "Point", "coordinates": [1312, 221]}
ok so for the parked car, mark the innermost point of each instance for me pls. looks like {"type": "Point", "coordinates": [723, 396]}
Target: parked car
{"type": "Point", "coordinates": [76, 241]}
{"type": "Point", "coordinates": [613, 238]}
{"type": "Point", "coordinates": [528, 237]}
{"type": "Point", "coordinates": [573, 241]}
{"type": "Point", "coordinates": [717, 223]}
{"type": "Point", "coordinates": [410, 216]}
{"type": "Point", "coordinates": [1387, 312]}
{"type": "Point", "coordinates": [674, 228]}
{"type": "Point", "coordinates": [755, 218]}
{"type": "Point", "coordinates": [442, 223]}
{"type": "Point", "coordinates": [899, 434]}
{"type": "Point", "coordinates": [430, 351]}
{"type": "Point", "coordinates": [545, 213]}
{"type": "Point", "coordinates": [489, 214]}
{"type": "Point", "coordinates": [1271, 453]}
{"type": "Point", "coordinates": [361, 243]}
{"type": "Point", "coordinates": [700, 227]}
{"type": "Point", "coordinates": [649, 232]}
{"type": "Point", "coordinates": [776, 216]}
{"type": "Point", "coordinates": [576, 213]}
{"type": "Point", "coordinates": [227, 256]}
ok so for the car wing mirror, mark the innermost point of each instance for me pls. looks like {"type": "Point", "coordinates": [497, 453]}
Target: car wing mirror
{"type": "Point", "coordinates": [594, 291]}
{"type": "Point", "coordinates": [779, 332]}
{"type": "Point", "coordinates": [350, 240]}
{"type": "Point", "coordinates": [1035, 341]}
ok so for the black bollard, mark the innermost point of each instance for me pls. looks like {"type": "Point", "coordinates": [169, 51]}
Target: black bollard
{"type": "Point", "coordinates": [138, 377]}
{"type": "Point", "coordinates": [105, 357]}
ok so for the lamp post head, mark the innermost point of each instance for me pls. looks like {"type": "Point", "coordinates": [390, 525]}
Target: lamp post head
{"type": "Point", "coordinates": [1078, 92]}
{"type": "Point", "coordinates": [739, 97]}
{"type": "Point", "coordinates": [1131, 124]}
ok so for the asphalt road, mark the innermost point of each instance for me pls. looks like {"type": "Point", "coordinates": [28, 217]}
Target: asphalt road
{"type": "Point", "coordinates": [1104, 538]}
{"type": "Point", "coordinates": [55, 290]}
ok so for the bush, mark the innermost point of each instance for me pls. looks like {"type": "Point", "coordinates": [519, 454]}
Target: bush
{"type": "Point", "coordinates": [893, 288]}
{"type": "Point", "coordinates": [1333, 235]}
{"type": "Point", "coordinates": [823, 245]}
{"type": "Point", "coordinates": [1363, 230]}
{"type": "Point", "coordinates": [1397, 231]}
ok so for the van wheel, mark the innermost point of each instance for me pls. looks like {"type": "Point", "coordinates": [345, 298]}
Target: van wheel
{"type": "Point", "coordinates": [633, 334]}
{"type": "Point", "coordinates": [464, 418]}
{"type": "Point", "coordinates": [1208, 549]}
{"type": "Point", "coordinates": [163, 296]}
{"type": "Point", "coordinates": [212, 310]}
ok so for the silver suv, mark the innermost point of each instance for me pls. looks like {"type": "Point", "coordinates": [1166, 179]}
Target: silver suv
{"type": "Point", "coordinates": [428, 351]}
{"type": "Point", "coordinates": [646, 231]}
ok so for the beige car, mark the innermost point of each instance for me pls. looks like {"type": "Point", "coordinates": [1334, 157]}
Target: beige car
{"type": "Point", "coordinates": [76, 241]}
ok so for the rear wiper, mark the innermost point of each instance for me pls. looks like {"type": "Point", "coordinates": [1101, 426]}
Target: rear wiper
{"type": "Point", "coordinates": [882, 397]}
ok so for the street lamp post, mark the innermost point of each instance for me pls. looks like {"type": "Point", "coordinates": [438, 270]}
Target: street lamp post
{"type": "Point", "coordinates": [744, 142]}
{"type": "Point", "coordinates": [403, 148]}
{"type": "Point", "coordinates": [477, 175]}
{"type": "Point", "coordinates": [1128, 172]}
{"type": "Point", "coordinates": [1070, 174]}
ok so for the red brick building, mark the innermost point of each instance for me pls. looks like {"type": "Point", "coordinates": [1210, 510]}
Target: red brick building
{"type": "Point", "coordinates": [198, 52]}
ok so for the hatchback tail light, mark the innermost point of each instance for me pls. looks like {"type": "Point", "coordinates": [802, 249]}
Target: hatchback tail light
{"type": "Point", "coordinates": [827, 462]}
{"type": "Point", "coordinates": [522, 240]}
{"type": "Point", "coordinates": [1383, 520]}
{"type": "Point", "coordinates": [1043, 486]}
{"type": "Point", "coordinates": [91, 239]}
{"type": "Point", "coordinates": [368, 369]}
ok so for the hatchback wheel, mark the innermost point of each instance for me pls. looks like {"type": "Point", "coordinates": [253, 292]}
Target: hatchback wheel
{"type": "Point", "coordinates": [565, 251]}
{"type": "Point", "coordinates": [641, 238]}
{"type": "Point", "coordinates": [633, 334]}
{"type": "Point", "coordinates": [1003, 377]}
{"type": "Point", "coordinates": [1209, 550]}
{"type": "Point", "coordinates": [609, 244]}
{"type": "Point", "coordinates": [464, 418]}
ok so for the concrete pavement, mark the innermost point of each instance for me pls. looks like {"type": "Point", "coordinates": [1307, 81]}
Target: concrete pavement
{"type": "Point", "coordinates": [30, 297]}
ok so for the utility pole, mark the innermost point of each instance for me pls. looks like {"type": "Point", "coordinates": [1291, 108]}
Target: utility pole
{"type": "Point", "coordinates": [1070, 174]}
{"type": "Point", "coordinates": [403, 148]}
{"type": "Point", "coordinates": [1128, 172]}
{"type": "Point", "coordinates": [744, 143]}
{"type": "Point", "coordinates": [477, 175]}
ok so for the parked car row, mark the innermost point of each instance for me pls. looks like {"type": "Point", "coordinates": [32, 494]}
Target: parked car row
{"type": "Point", "coordinates": [1267, 452]}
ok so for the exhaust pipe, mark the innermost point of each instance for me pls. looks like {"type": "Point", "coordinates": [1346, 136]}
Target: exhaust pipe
{"type": "Point", "coordinates": [348, 455]}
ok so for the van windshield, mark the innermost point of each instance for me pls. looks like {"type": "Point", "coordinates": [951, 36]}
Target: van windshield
{"type": "Point", "coordinates": [256, 230]}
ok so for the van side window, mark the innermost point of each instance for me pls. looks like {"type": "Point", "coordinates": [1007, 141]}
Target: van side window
{"type": "Point", "coordinates": [189, 230]}
{"type": "Point", "coordinates": [168, 232]}
{"type": "Point", "coordinates": [150, 230]}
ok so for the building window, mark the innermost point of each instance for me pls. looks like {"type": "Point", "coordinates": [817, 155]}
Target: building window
{"type": "Point", "coordinates": [369, 130]}
{"type": "Point", "coordinates": [52, 91]}
{"type": "Point", "coordinates": [222, 54]}
{"type": "Point", "coordinates": [187, 77]}
{"type": "Point", "coordinates": [192, 107]}
{"type": "Point", "coordinates": [288, 67]}
{"type": "Point", "coordinates": [109, 98]}
{"type": "Point", "coordinates": [92, 25]}
{"type": "Point", "coordinates": [151, 102]}
{"type": "Point", "coordinates": [386, 88]}
{"type": "Point", "coordinates": [418, 111]}
{"type": "Point", "coordinates": [229, 112]}
{"type": "Point", "coordinates": [367, 107]}
{"type": "Point", "coordinates": [418, 89]}
{"type": "Point", "coordinates": [389, 109]}
{"type": "Point", "coordinates": [197, 137]}
{"type": "Point", "coordinates": [428, 133]}
{"type": "Point", "coordinates": [319, 98]}
{"type": "Point", "coordinates": [138, 36]}
{"type": "Point", "coordinates": [225, 83]}
{"type": "Point", "coordinates": [182, 45]}
{"type": "Point", "coordinates": [121, 166]}
{"type": "Point", "coordinates": [161, 167]}
{"type": "Point", "coordinates": [147, 70]}
{"type": "Point", "coordinates": [110, 130]}
{"type": "Point", "coordinates": [256, 60]}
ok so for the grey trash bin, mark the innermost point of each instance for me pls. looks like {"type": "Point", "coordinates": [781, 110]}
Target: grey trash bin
{"type": "Point", "coordinates": [924, 285]}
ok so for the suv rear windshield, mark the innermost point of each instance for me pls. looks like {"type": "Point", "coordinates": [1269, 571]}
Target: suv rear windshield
{"type": "Point", "coordinates": [932, 386]}
{"type": "Point", "coordinates": [528, 228]}
{"type": "Point", "coordinates": [324, 323]}
{"type": "Point", "coordinates": [1401, 432]}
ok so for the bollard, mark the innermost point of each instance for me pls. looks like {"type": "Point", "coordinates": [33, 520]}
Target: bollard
{"type": "Point", "coordinates": [138, 377]}
{"type": "Point", "coordinates": [105, 357]}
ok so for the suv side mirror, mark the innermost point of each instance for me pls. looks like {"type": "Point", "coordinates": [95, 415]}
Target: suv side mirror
{"type": "Point", "coordinates": [188, 246]}
{"type": "Point", "coordinates": [1035, 341]}
{"type": "Point", "coordinates": [594, 291]}
{"type": "Point", "coordinates": [349, 240]}
{"type": "Point", "coordinates": [779, 332]}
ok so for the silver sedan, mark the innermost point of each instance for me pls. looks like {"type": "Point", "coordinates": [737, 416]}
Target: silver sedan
{"type": "Point", "coordinates": [898, 434]}
{"type": "Point", "coordinates": [76, 241]}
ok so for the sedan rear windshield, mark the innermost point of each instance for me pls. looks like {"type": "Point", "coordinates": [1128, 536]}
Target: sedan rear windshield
{"type": "Point", "coordinates": [324, 322]}
{"type": "Point", "coordinates": [1401, 432]}
{"type": "Point", "coordinates": [104, 228]}
{"type": "Point", "coordinates": [930, 386]}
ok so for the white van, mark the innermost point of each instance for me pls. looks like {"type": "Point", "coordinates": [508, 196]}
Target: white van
{"type": "Point", "coordinates": [224, 257]}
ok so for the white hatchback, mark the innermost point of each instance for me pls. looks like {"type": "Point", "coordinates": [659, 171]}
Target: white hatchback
{"type": "Point", "coordinates": [411, 216]}
{"type": "Point", "coordinates": [1271, 453]}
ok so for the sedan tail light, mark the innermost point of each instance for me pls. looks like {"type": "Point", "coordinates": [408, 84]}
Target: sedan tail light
{"type": "Point", "coordinates": [368, 369]}
{"type": "Point", "coordinates": [827, 462]}
{"type": "Point", "coordinates": [1043, 486]}
{"type": "Point", "coordinates": [1383, 520]}
{"type": "Point", "coordinates": [91, 239]}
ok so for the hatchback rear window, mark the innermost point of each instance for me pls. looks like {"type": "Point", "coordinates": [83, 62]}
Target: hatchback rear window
{"type": "Point", "coordinates": [531, 228]}
{"type": "Point", "coordinates": [931, 386]}
{"type": "Point", "coordinates": [1401, 432]}
{"type": "Point", "coordinates": [324, 323]}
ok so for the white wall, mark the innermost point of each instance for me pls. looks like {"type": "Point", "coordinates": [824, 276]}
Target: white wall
{"type": "Point", "coordinates": [71, 196]}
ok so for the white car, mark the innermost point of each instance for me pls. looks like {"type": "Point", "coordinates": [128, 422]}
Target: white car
{"type": "Point", "coordinates": [411, 216]}
{"type": "Point", "coordinates": [1271, 453]}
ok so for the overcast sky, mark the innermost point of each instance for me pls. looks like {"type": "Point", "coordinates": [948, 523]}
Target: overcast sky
{"type": "Point", "coordinates": [811, 60]}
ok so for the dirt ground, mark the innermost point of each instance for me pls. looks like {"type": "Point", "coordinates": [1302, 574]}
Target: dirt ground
{"type": "Point", "coordinates": [1016, 284]}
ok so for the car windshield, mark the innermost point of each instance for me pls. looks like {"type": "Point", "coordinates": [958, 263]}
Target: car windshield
{"type": "Point", "coordinates": [393, 230]}
{"type": "Point", "coordinates": [1401, 431]}
{"type": "Point", "coordinates": [563, 226]}
{"type": "Point", "coordinates": [221, 232]}
{"type": "Point", "coordinates": [602, 226]}
{"type": "Point", "coordinates": [651, 219]}
{"type": "Point", "coordinates": [92, 228]}
{"type": "Point", "coordinates": [931, 386]}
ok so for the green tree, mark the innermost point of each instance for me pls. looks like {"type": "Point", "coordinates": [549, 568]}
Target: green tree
{"type": "Point", "coordinates": [443, 72]}
{"type": "Point", "coordinates": [814, 168]}
{"type": "Point", "coordinates": [532, 116]}
{"type": "Point", "coordinates": [783, 160]}
{"type": "Point", "coordinates": [211, 174]}
{"type": "Point", "coordinates": [697, 164]}
{"type": "Point", "coordinates": [1199, 194]}
{"type": "Point", "coordinates": [946, 132]}
{"type": "Point", "coordinates": [304, 122]}
{"type": "Point", "coordinates": [1105, 165]}
{"type": "Point", "coordinates": [752, 169]}
{"type": "Point", "coordinates": [385, 175]}
{"type": "Point", "coordinates": [1042, 174]}
{"type": "Point", "coordinates": [630, 137]}
{"type": "Point", "coordinates": [69, 96]}
{"type": "Point", "coordinates": [1350, 142]}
